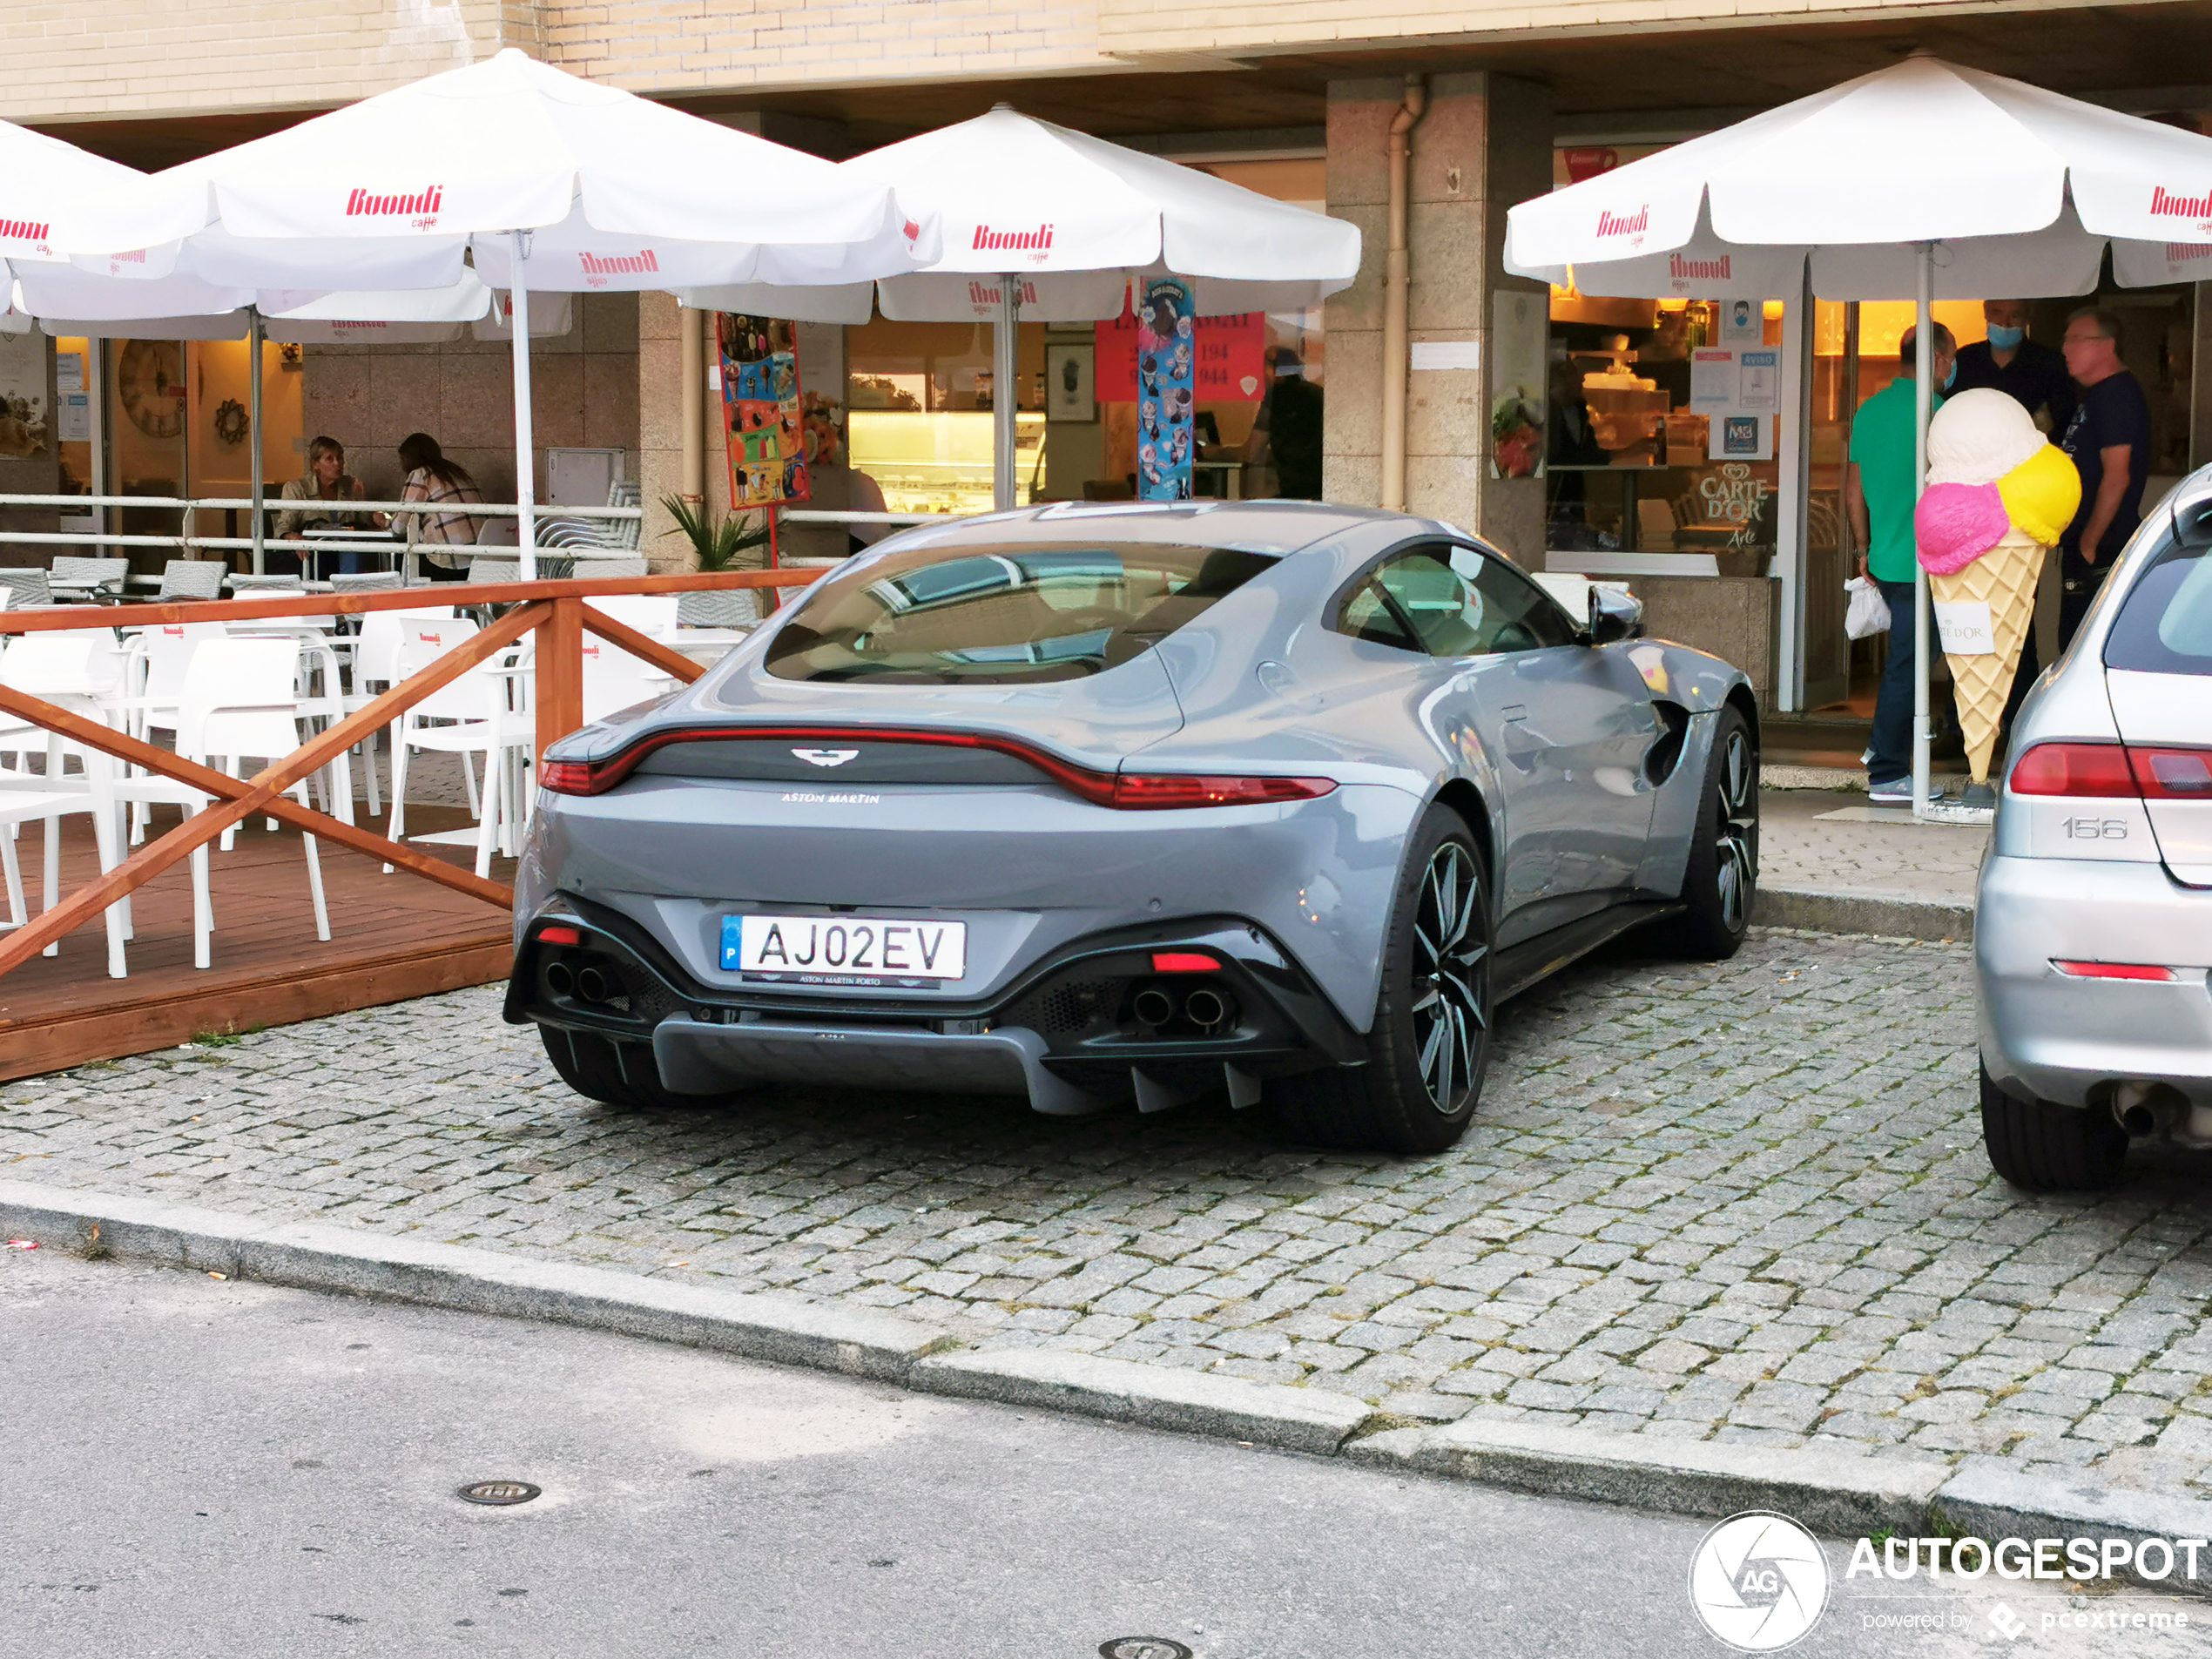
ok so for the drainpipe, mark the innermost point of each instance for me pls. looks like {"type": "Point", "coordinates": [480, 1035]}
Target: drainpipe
{"type": "Point", "coordinates": [1397, 278]}
{"type": "Point", "coordinates": [692, 378]}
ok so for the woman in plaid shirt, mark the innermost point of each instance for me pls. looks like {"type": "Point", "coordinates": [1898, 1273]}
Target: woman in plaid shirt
{"type": "Point", "coordinates": [431, 477]}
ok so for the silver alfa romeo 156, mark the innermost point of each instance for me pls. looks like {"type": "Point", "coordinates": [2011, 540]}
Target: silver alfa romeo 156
{"type": "Point", "coordinates": [2094, 932]}
{"type": "Point", "coordinates": [1101, 803]}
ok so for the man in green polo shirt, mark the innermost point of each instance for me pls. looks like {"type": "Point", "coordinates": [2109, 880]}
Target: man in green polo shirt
{"type": "Point", "coordinates": [1879, 493]}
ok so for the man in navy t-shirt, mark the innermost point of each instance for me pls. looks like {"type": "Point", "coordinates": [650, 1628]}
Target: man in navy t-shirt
{"type": "Point", "coordinates": [2108, 438]}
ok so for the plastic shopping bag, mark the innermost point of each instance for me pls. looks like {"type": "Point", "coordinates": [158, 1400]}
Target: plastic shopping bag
{"type": "Point", "coordinates": [1868, 613]}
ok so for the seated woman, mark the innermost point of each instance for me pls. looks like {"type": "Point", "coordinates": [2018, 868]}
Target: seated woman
{"type": "Point", "coordinates": [431, 477]}
{"type": "Point", "coordinates": [327, 481]}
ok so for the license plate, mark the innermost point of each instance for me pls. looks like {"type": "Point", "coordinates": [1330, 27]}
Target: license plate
{"type": "Point", "coordinates": [846, 947]}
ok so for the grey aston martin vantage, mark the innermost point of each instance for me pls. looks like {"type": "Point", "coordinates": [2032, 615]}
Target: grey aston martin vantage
{"type": "Point", "coordinates": [1102, 803]}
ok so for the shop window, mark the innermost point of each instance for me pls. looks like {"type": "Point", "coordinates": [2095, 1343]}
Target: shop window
{"type": "Point", "coordinates": [1663, 433]}
{"type": "Point", "coordinates": [921, 404]}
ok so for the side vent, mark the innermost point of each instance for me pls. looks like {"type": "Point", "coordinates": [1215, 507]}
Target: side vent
{"type": "Point", "coordinates": [1665, 753]}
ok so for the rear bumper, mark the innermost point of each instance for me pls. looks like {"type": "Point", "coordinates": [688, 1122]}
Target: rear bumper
{"type": "Point", "coordinates": [1061, 1036]}
{"type": "Point", "coordinates": [2048, 1035]}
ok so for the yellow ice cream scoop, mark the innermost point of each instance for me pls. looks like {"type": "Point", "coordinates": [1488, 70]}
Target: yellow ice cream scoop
{"type": "Point", "coordinates": [2043, 494]}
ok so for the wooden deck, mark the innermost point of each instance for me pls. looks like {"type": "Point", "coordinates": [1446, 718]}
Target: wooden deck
{"type": "Point", "coordinates": [392, 937]}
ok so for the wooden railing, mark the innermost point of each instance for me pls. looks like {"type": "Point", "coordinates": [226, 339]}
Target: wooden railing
{"type": "Point", "coordinates": [556, 610]}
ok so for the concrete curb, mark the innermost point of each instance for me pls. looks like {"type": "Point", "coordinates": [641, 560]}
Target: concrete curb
{"type": "Point", "coordinates": [1848, 910]}
{"type": "Point", "coordinates": [1829, 1489]}
{"type": "Point", "coordinates": [1190, 1402]}
{"type": "Point", "coordinates": [1985, 1500]}
{"type": "Point", "coordinates": [311, 1256]}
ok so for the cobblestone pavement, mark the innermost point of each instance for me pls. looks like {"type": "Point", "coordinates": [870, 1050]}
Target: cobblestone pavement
{"type": "Point", "coordinates": [1876, 850]}
{"type": "Point", "coordinates": [1746, 1201]}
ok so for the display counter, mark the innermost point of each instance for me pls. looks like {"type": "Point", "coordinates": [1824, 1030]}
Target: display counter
{"type": "Point", "coordinates": [940, 462]}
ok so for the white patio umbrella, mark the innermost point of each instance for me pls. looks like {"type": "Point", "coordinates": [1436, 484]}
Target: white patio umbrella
{"type": "Point", "coordinates": [1925, 180]}
{"type": "Point", "coordinates": [549, 181]}
{"type": "Point", "coordinates": [199, 291]}
{"type": "Point", "coordinates": [1036, 218]}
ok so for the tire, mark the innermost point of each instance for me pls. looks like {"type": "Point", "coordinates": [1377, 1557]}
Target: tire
{"type": "Point", "coordinates": [2040, 1147]}
{"type": "Point", "coordinates": [1430, 1042]}
{"type": "Point", "coordinates": [1721, 880]}
{"type": "Point", "coordinates": [594, 1066]}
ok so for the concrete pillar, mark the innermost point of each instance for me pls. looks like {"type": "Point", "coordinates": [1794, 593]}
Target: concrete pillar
{"type": "Point", "coordinates": [1485, 142]}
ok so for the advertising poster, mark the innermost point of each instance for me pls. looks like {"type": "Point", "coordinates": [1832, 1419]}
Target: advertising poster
{"type": "Point", "coordinates": [1230, 359]}
{"type": "Point", "coordinates": [763, 411]}
{"type": "Point", "coordinates": [24, 415]}
{"type": "Point", "coordinates": [1520, 340]}
{"type": "Point", "coordinates": [1167, 372]}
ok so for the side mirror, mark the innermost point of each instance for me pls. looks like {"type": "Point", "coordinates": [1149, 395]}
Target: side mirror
{"type": "Point", "coordinates": [1615, 614]}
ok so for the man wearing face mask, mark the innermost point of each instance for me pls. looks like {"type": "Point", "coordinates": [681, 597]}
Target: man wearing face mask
{"type": "Point", "coordinates": [1879, 494]}
{"type": "Point", "coordinates": [2027, 371]}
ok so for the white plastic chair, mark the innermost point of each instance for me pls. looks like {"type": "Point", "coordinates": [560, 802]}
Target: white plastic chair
{"type": "Point", "coordinates": [377, 663]}
{"type": "Point", "coordinates": [154, 664]}
{"type": "Point", "coordinates": [78, 670]}
{"type": "Point", "coordinates": [475, 713]}
{"type": "Point", "coordinates": [237, 701]}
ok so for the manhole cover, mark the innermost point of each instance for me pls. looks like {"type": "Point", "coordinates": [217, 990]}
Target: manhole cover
{"type": "Point", "coordinates": [1143, 1648]}
{"type": "Point", "coordinates": [499, 1492]}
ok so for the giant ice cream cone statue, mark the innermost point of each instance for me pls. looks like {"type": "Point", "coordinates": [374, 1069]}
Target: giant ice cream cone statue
{"type": "Point", "coordinates": [1998, 494]}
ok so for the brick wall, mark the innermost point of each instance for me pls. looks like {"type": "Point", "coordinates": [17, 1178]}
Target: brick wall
{"type": "Point", "coordinates": [671, 45]}
{"type": "Point", "coordinates": [584, 393]}
{"type": "Point", "coordinates": [90, 58]}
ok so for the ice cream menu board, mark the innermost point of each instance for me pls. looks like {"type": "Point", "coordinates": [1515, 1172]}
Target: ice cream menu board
{"type": "Point", "coordinates": [1227, 364]}
{"type": "Point", "coordinates": [762, 413]}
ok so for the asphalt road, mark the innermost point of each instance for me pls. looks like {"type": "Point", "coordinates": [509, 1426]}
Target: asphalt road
{"type": "Point", "coordinates": [189, 1467]}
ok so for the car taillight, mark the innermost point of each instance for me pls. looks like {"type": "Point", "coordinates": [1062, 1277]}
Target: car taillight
{"type": "Point", "coordinates": [1158, 791]}
{"type": "Point", "coordinates": [2115, 970]}
{"type": "Point", "coordinates": [1184, 962]}
{"type": "Point", "coordinates": [2072, 769]}
{"type": "Point", "coordinates": [558, 935]}
{"type": "Point", "coordinates": [2114, 770]}
{"type": "Point", "coordinates": [2173, 774]}
{"type": "Point", "coordinates": [565, 777]}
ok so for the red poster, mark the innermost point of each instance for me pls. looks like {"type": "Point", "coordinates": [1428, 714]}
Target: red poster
{"type": "Point", "coordinates": [1229, 367]}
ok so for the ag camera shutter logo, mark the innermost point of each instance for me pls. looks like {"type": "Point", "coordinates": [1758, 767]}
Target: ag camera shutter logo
{"type": "Point", "coordinates": [1758, 1581]}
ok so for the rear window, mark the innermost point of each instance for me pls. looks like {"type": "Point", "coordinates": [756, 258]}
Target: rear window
{"type": "Point", "coordinates": [2165, 627]}
{"type": "Point", "coordinates": [995, 616]}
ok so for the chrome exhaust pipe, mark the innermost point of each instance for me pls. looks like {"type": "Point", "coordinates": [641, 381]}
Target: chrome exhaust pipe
{"type": "Point", "coordinates": [559, 979]}
{"type": "Point", "coordinates": [1207, 1007]}
{"type": "Point", "coordinates": [1152, 1008]}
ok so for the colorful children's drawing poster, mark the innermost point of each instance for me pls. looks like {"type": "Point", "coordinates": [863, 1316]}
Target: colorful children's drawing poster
{"type": "Point", "coordinates": [1166, 396]}
{"type": "Point", "coordinates": [763, 411]}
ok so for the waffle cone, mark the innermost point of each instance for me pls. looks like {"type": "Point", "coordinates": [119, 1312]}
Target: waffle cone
{"type": "Point", "coordinates": [2005, 579]}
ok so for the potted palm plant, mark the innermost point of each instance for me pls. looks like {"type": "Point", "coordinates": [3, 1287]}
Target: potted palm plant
{"type": "Point", "coordinates": [718, 542]}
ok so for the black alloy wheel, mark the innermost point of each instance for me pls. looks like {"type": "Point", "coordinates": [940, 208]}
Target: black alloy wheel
{"type": "Point", "coordinates": [1450, 1018]}
{"type": "Point", "coordinates": [1721, 880]}
{"type": "Point", "coordinates": [1735, 811]}
{"type": "Point", "coordinates": [1430, 1042]}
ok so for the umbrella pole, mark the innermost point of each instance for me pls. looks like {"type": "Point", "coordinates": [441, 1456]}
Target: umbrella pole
{"type": "Point", "coordinates": [525, 481]}
{"type": "Point", "coordinates": [253, 430]}
{"type": "Point", "coordinates": [1005, 370]}
{"type": "Point", "coordinates": [1923, 404]}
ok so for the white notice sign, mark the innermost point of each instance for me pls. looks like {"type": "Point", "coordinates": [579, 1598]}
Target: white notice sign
{"type": "Point", "coordinates": [1448, 354]}
{"type": "Point", "coordinates": [1712, 378]}
{"type": "Point", "coordinates": [1964, 627]}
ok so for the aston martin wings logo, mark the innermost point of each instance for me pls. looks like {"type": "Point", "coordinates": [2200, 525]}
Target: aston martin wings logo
{"type": "Point", "coordinates": [826, 757]}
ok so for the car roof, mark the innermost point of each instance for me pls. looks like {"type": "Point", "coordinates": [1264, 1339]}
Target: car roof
{"type": "Point", "coordinates": [1260, 526]}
